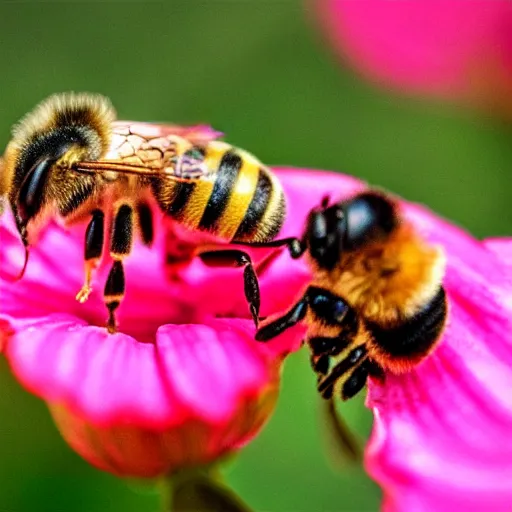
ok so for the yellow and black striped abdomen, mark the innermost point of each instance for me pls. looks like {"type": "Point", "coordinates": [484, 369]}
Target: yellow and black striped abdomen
{"type": "Point", "coordinates": [238, 199]}
{"type": "Point", "coordinates": [266, 211]}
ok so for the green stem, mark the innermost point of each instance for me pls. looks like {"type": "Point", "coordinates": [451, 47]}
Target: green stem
{"type": "Point", "coordinates": [200, 491]}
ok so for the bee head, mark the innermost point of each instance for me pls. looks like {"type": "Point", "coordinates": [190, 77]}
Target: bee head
{"type": "Point", "coordinates": [348, 226]}
{"type": "Point", "coordinates": [60, 131]}
{"type": "Point", "coordinates": [370, 216]}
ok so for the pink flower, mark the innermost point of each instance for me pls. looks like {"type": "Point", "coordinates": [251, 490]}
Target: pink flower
{"type": "Point", "coordinates": [453, 49]}
{"type": "Point", "coordinates": [183, 382]}
{"type": "Point", "coordinates": [138, 404]}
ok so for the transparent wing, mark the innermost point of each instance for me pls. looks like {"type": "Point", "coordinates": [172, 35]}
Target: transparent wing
{"type": "Point", "coordinates": [146, 149]}
{"type": "Point", "coordinates": [187, 166]}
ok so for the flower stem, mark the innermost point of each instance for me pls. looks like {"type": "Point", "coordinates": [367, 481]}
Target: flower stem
{"type": "Point", "coordinates": [200, 491]}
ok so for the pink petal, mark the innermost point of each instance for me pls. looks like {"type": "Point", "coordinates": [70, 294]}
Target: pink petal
{"type": "Point", "coordinates": [502, 248]}
{"type": "Point", "coordinates": [211, 367]}
{"type": "Point", "coordinates": [441, 439]}
{"type": "Point", "coordinates": [193, 371]}
{"type": "Point", "coordinates": [109, 379]}
{"type": "Point", "coordinates": [435, 46]}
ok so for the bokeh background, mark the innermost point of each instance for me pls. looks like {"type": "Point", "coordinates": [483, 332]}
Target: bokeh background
{"type": "Point", "coordinates": [260, 72]}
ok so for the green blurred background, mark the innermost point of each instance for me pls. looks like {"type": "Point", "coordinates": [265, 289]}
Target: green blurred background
{"type": "Point", "coordinates": [258, 71]}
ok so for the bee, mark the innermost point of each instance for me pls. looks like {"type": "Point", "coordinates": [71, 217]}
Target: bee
{"type": "Point", "coordinates": [376, 300]}
{"type": "Point", "coordinates": [69, 157]}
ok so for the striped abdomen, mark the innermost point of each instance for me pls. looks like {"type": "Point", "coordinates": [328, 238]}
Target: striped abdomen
{"type": "Point", "coordinates": [400, 347]}
{"type": "Point", "coordinates": [239, 199]}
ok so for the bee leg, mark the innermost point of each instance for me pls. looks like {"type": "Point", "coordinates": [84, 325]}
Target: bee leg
{"type": "Point", "coordinates": [289, 319]}
{"type": "Point", "coordinates": [145, 221]}
{"type": "Point", "coordinates": [94, 239]}
{"type": "Point", "coordinates": [323, 352]}
{"type": "Point", "coordinates": [356, 381]}
{"type": "Point", "coordinates": [121, 242]}
{"type": "Point", "coordinates": [239, 259]}
{"type": "Point", "coordinates": [295, 246]}
{"type": "Point", "coordinates": [114, 293]}
{"type": "Point", "coordinates": [331, 377]}
{"type": "Point", "coordinates": [340, 434]}
{"type": "Point", "coordinates": [326, 346]}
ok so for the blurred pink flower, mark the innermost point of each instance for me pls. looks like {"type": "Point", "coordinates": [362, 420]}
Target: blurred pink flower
{"type": "Point", "coordinates": [441, 437]}
{"type": "Point", "coordinates": [183, 382]}
{"type": "Point", "coordinates": [460, 49]}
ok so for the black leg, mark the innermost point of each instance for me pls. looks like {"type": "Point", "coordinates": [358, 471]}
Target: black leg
{"type": "Point", "coordinates": [327, 346]}
{"type": "Point", "coordinates": [238, 259]}
{"type": "Point", "coordinates": [326, 306]}
{"type": "Point", "coordinates": [94, 240]}
{"type": "Point", "coordinates": [295, 246]}
{"type": "Point", "coordinates": [122, 232]}
{"type": "Point", "coordinates": [340, 436]}
{"type": "Point", "coordinates": [356, 381]}
{"type": "Point", "coordinates": [114, 293]}
{"type": "Point", "coordinates": [121, 242]}
{"type": "Point", "coordinates": [145, 218]}
{"type": "Point", "coordinates": [22, 230]}
{"type": "Point", "coordinates": [289, 319]}
{"type": "Point", "coordinates": [339, 373]}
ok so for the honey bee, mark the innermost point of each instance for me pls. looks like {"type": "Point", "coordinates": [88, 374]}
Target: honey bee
{"type": "Point", "coordinates": [70, 157]}
{"type": "Point", "coordinates": [376, 300]}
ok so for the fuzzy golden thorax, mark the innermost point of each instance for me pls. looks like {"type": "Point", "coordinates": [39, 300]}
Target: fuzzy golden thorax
{"type": "Point", "coordinates": [387, 281]}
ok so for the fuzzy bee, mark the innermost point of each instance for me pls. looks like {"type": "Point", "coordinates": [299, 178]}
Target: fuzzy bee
{"type": "Point", "coordinates": [376, 300]}
{"type": "Point", "coordinates": [68, 157]}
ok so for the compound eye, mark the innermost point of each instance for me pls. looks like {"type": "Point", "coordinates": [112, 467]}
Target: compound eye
{"type": "Point", "coordinates": [31, 195]}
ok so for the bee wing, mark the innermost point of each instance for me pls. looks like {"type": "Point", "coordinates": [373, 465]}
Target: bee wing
{"type": "Point", "coordinates": [154, 150]}
{"type": "Point", "coordinates": [102, 166]}
{"type": "Point", "coordinates": [196, 134]}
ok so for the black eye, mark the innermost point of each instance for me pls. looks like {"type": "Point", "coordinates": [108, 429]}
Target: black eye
{"type": "Point", "coordinates": [30, 198]}
{"type": "Point", "coordinates": [32, 191]}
